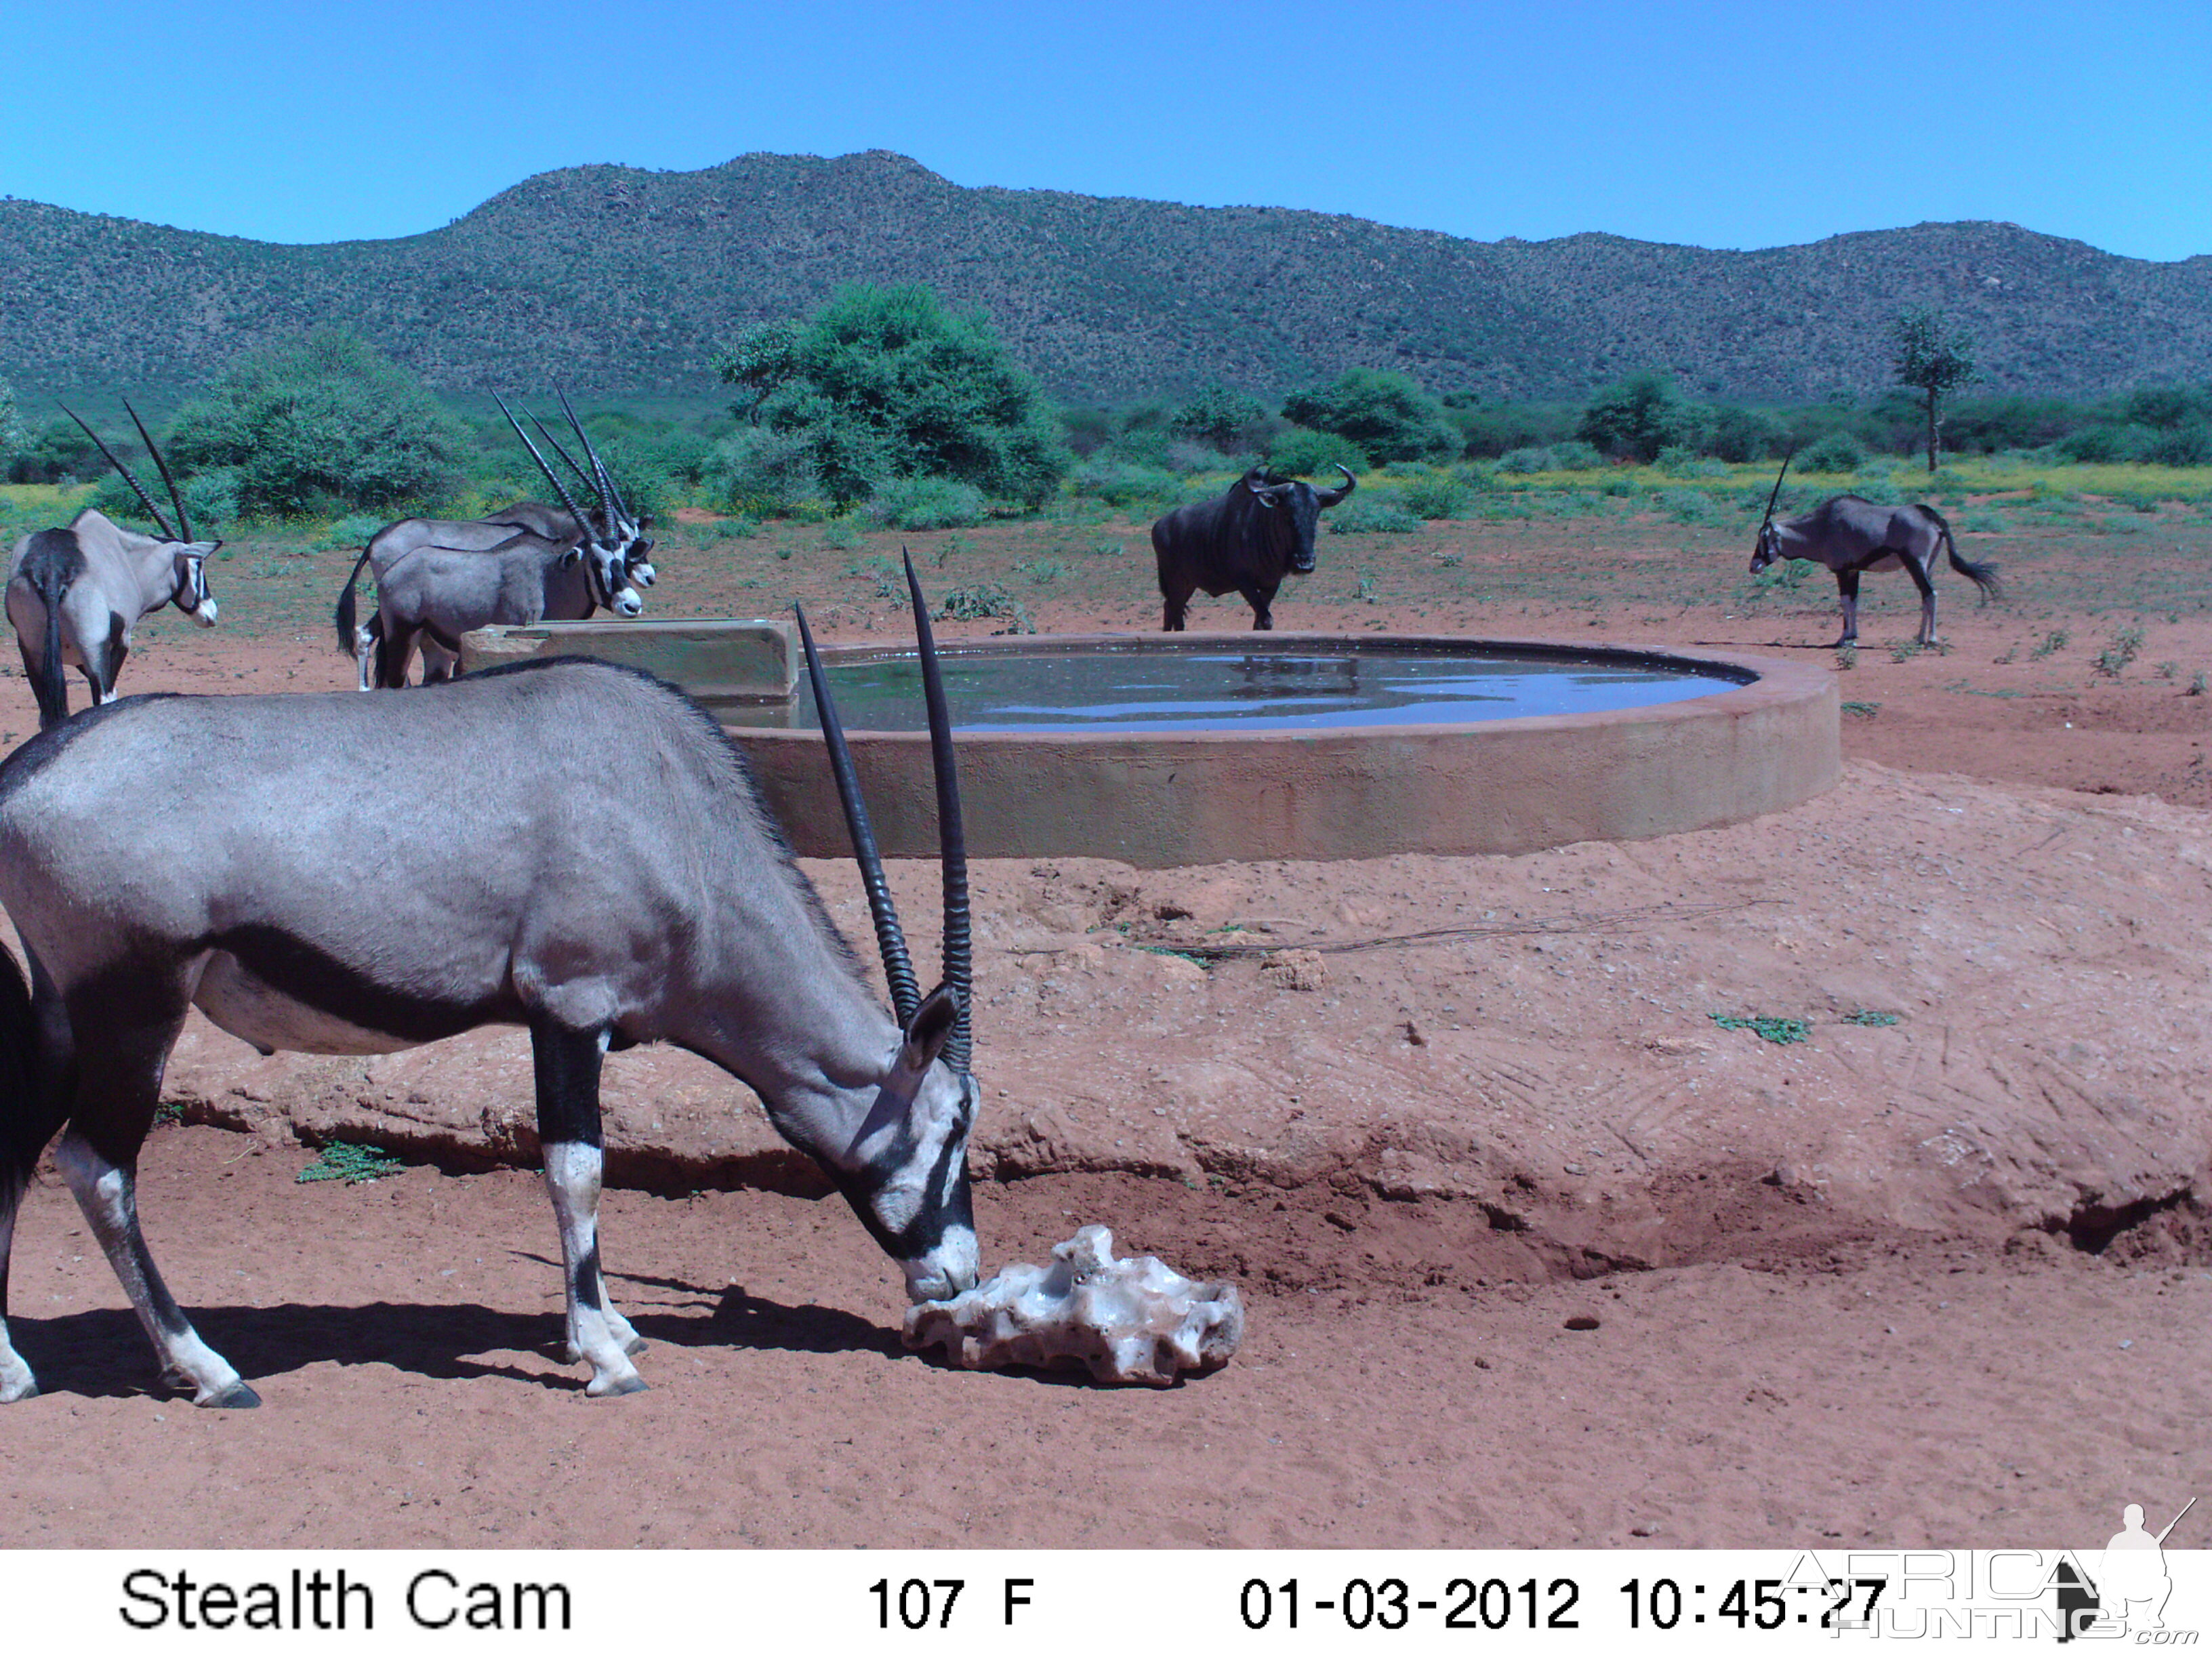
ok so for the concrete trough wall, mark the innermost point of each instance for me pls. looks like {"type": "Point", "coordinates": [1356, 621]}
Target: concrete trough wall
{"type": "Point", "coordinates": [724, 664]}
{"type": "Point", "coordinates": [1157, 801]}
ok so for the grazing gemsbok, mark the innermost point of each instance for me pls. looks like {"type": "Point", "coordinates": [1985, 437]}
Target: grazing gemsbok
{"type": "Point", "coordinates": [441, 593]}
{"type": "Point", "coordinates": [1849, 535]}
{"type": "Point", "coordinates": [74, 595]}
{"type": "Point", "coordinates": [610, 894]}
{"type": "Point", "coordinates": [1244, 542]}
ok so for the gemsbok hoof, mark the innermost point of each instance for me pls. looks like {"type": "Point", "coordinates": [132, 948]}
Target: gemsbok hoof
{"type": "Point", "coordinates": [235, 1398]}
{"type": "Point", "coordinates": [26, 1390]}
{"type": "Point", "coordinates": [606, 1388]}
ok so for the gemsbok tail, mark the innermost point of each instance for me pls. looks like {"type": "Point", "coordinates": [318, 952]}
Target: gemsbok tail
{"type": "Point", "coordinates": [345, 612]}
{"type": "Point", "coordinates": [49, 567]}
{"type": "Point", "coordinates": [1984, 576]}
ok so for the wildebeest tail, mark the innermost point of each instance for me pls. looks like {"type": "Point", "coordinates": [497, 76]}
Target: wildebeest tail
{"type": "Point", "coordinates": [345, 612]}
{"type": "Point", "coordinates": [1984, 576]}
{"type": "Point", "coordinates": [27, 1120]}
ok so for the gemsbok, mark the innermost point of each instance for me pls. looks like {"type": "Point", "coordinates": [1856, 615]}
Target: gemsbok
{"type": "Point", "coordinates": [1851, 536]}
{"type": "Point", "coordinates": [76, 595]}
{"type": "Point", "coordinates": [599, 893]}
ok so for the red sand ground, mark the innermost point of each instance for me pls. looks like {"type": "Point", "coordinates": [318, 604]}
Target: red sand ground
{"type": "Point", "coordinates": [1408, 1379]}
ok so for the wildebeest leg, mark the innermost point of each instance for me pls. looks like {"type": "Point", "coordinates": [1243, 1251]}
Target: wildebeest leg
{"type": "Point", "coordinates": [1262, 601]}
{"type": "Point", "coordinates": [1927, 597]}
{"type": "Point", "coordinates": [1175, 604]}
{"type": "Point", "coordinates": [1847, 589]}
{"type": "Point", "coordinates": [566, 1066]}
{"type": "Point", "coordinates": [122, 1032]}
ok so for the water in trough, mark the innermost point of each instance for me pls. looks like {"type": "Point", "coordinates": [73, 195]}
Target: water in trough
{"type": "Point", "coordinates": [1157, 689]}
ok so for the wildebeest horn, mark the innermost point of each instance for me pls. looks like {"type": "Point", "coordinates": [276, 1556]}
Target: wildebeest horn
{"type": "Point", "coordinates": [1776, 494]}
{"type": "Point", "coordinates": [951, 835]}
{"type": "Point", "coordinates": [183, 519]}
{"type": "Point", "coordinates": [552, 478]}
{"type": "Point", "coordinates": [898, 967]}
{"type": "Point", "coordinates": [607, 493]}
{"type": "Point", "coordinates": [114, 461]}
{"type": "Point", "coordinates": [1331, 497]}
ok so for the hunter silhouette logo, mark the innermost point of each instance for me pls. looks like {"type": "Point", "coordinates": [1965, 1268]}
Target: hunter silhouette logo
{"type": "Point", "coordinates": [2130, 1585]}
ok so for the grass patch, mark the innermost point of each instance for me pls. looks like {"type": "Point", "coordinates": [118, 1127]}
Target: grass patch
{"type": "Point", "coordinates": [343, 1161]}
{"type": "Point", "coordinates": [1862, 711]}
{"type": "Point", "coordinates": [1870, 1017]}
{"type": "Point", "coordinates": [1768, 1028]}
{"type": "Point", "coordinates": [2115, 657]}
{"type": "Point", "coordinates": [2054, 641]}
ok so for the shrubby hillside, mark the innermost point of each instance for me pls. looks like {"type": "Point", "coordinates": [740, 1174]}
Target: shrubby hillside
{"type": "Point", "coordinates": [616, 280]}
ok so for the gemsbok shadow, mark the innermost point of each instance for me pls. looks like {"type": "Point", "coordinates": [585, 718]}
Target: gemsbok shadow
{"type": "Point", "coordinates": [102, 1353]}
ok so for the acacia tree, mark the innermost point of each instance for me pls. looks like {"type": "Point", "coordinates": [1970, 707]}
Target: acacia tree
{"type": "Point", "coordinates": [1934, 363]}
{"type": "Point", "coordinates": [884, 384]}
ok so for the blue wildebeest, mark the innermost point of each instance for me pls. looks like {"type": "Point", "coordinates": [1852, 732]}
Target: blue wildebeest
{"type": "Point", "coordinates": [439, 596]}
{"type": "Point", "coordinates": [599, 894]}
{"type": "Point", "coordinates": [1849, 536]}
{"type": "Point", "coordinates": [1244, 542]}
{"type": "Point", "coordinates": [74, 595]}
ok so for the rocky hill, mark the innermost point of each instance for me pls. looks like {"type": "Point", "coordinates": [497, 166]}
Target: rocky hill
{"type": "Point", "coordinates": [618, 281]}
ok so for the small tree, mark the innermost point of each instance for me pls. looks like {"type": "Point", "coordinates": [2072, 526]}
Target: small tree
{"type": "Point", "coordinates": [1932, 363]}
{"type": "Point", "coordinates": [1639, 417]}
{"type": "Point", "coordinates": [885, 383]}
{"type": "Point", "coordinates": [321, 423]}
{"type": "Point", "coordinates": [1385, 413]}
{"type": "Point", "coordinates": [11, 428]}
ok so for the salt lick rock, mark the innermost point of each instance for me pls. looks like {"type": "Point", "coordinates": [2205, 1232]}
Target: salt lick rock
{"type": "Point", "coordinates": [1134, 1320]}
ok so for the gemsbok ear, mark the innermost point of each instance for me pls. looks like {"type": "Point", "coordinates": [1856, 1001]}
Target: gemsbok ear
{"type": "Point", "coordinates": [926, 1032]}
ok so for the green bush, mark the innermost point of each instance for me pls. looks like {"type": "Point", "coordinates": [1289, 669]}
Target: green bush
{"type": "Point", "coordinates": [885, 383]}
{"type": "Point", "coordinates": [763, 473]}
{"type": "Point", "coordinates": [1385, 413]}
{"type": "Point", "coordinates": [1443, 496]}
{"type": "Point", "coordinates": [1569, 455]}
{"type": "Point", "coordinates": [2107, 442]}
{"type": "Point", "coordinates": [1125, 483]}
{"type": "Point", "coordinates": [1839, 452]}
{"type": "Point", "coordinates": [1370, 512]}
{"type": "Point", "coordinates": [2187, 443]}
{"type": "Point", "coordinates": [1744, 435]}
{"type": "Point", "coordinates": [928, 504]}
{"type": "Point", "coordinates": [320, 424]}
{"type": "Point", "coordinates": [1301, 453]}
{"type": "Point", "coordinates": [1227, 421]}
{"type": "Point", "coordinates": [1639, 417]}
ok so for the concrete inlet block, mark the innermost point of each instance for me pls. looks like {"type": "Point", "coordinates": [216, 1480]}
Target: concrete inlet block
{"type": "Point", "coordinates": [723, 664]}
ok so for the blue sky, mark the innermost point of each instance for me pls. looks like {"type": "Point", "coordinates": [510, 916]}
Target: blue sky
{"type": "Point", "coordinates": [1725, 125]}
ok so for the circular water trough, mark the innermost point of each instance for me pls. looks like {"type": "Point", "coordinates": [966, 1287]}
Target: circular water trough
{"type": "Point", "coordinates": [1759, 736]}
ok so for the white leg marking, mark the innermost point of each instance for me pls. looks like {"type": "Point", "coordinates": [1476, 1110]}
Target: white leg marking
{"type": "Point", "coordinates": [108, 1196]}
{"type": "Point", "coordinates": [597, 1335]}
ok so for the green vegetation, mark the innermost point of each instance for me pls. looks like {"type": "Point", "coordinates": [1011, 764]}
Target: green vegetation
{"type": "Point", "coordinates": [885, 385]}
{"type": "Point", "coordinates": [1770, 1028]}
{"type": "Point", "coordinates": [1870, 1017]}
{"type": "Point", "coordinates": [315, 426]}
{"type": "Point", "coordinates": [1933, 363]}
{"type": "Point", "coordinates": [1385, 413]}
{"type": "Point", "coordinates": [341, 1160]}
